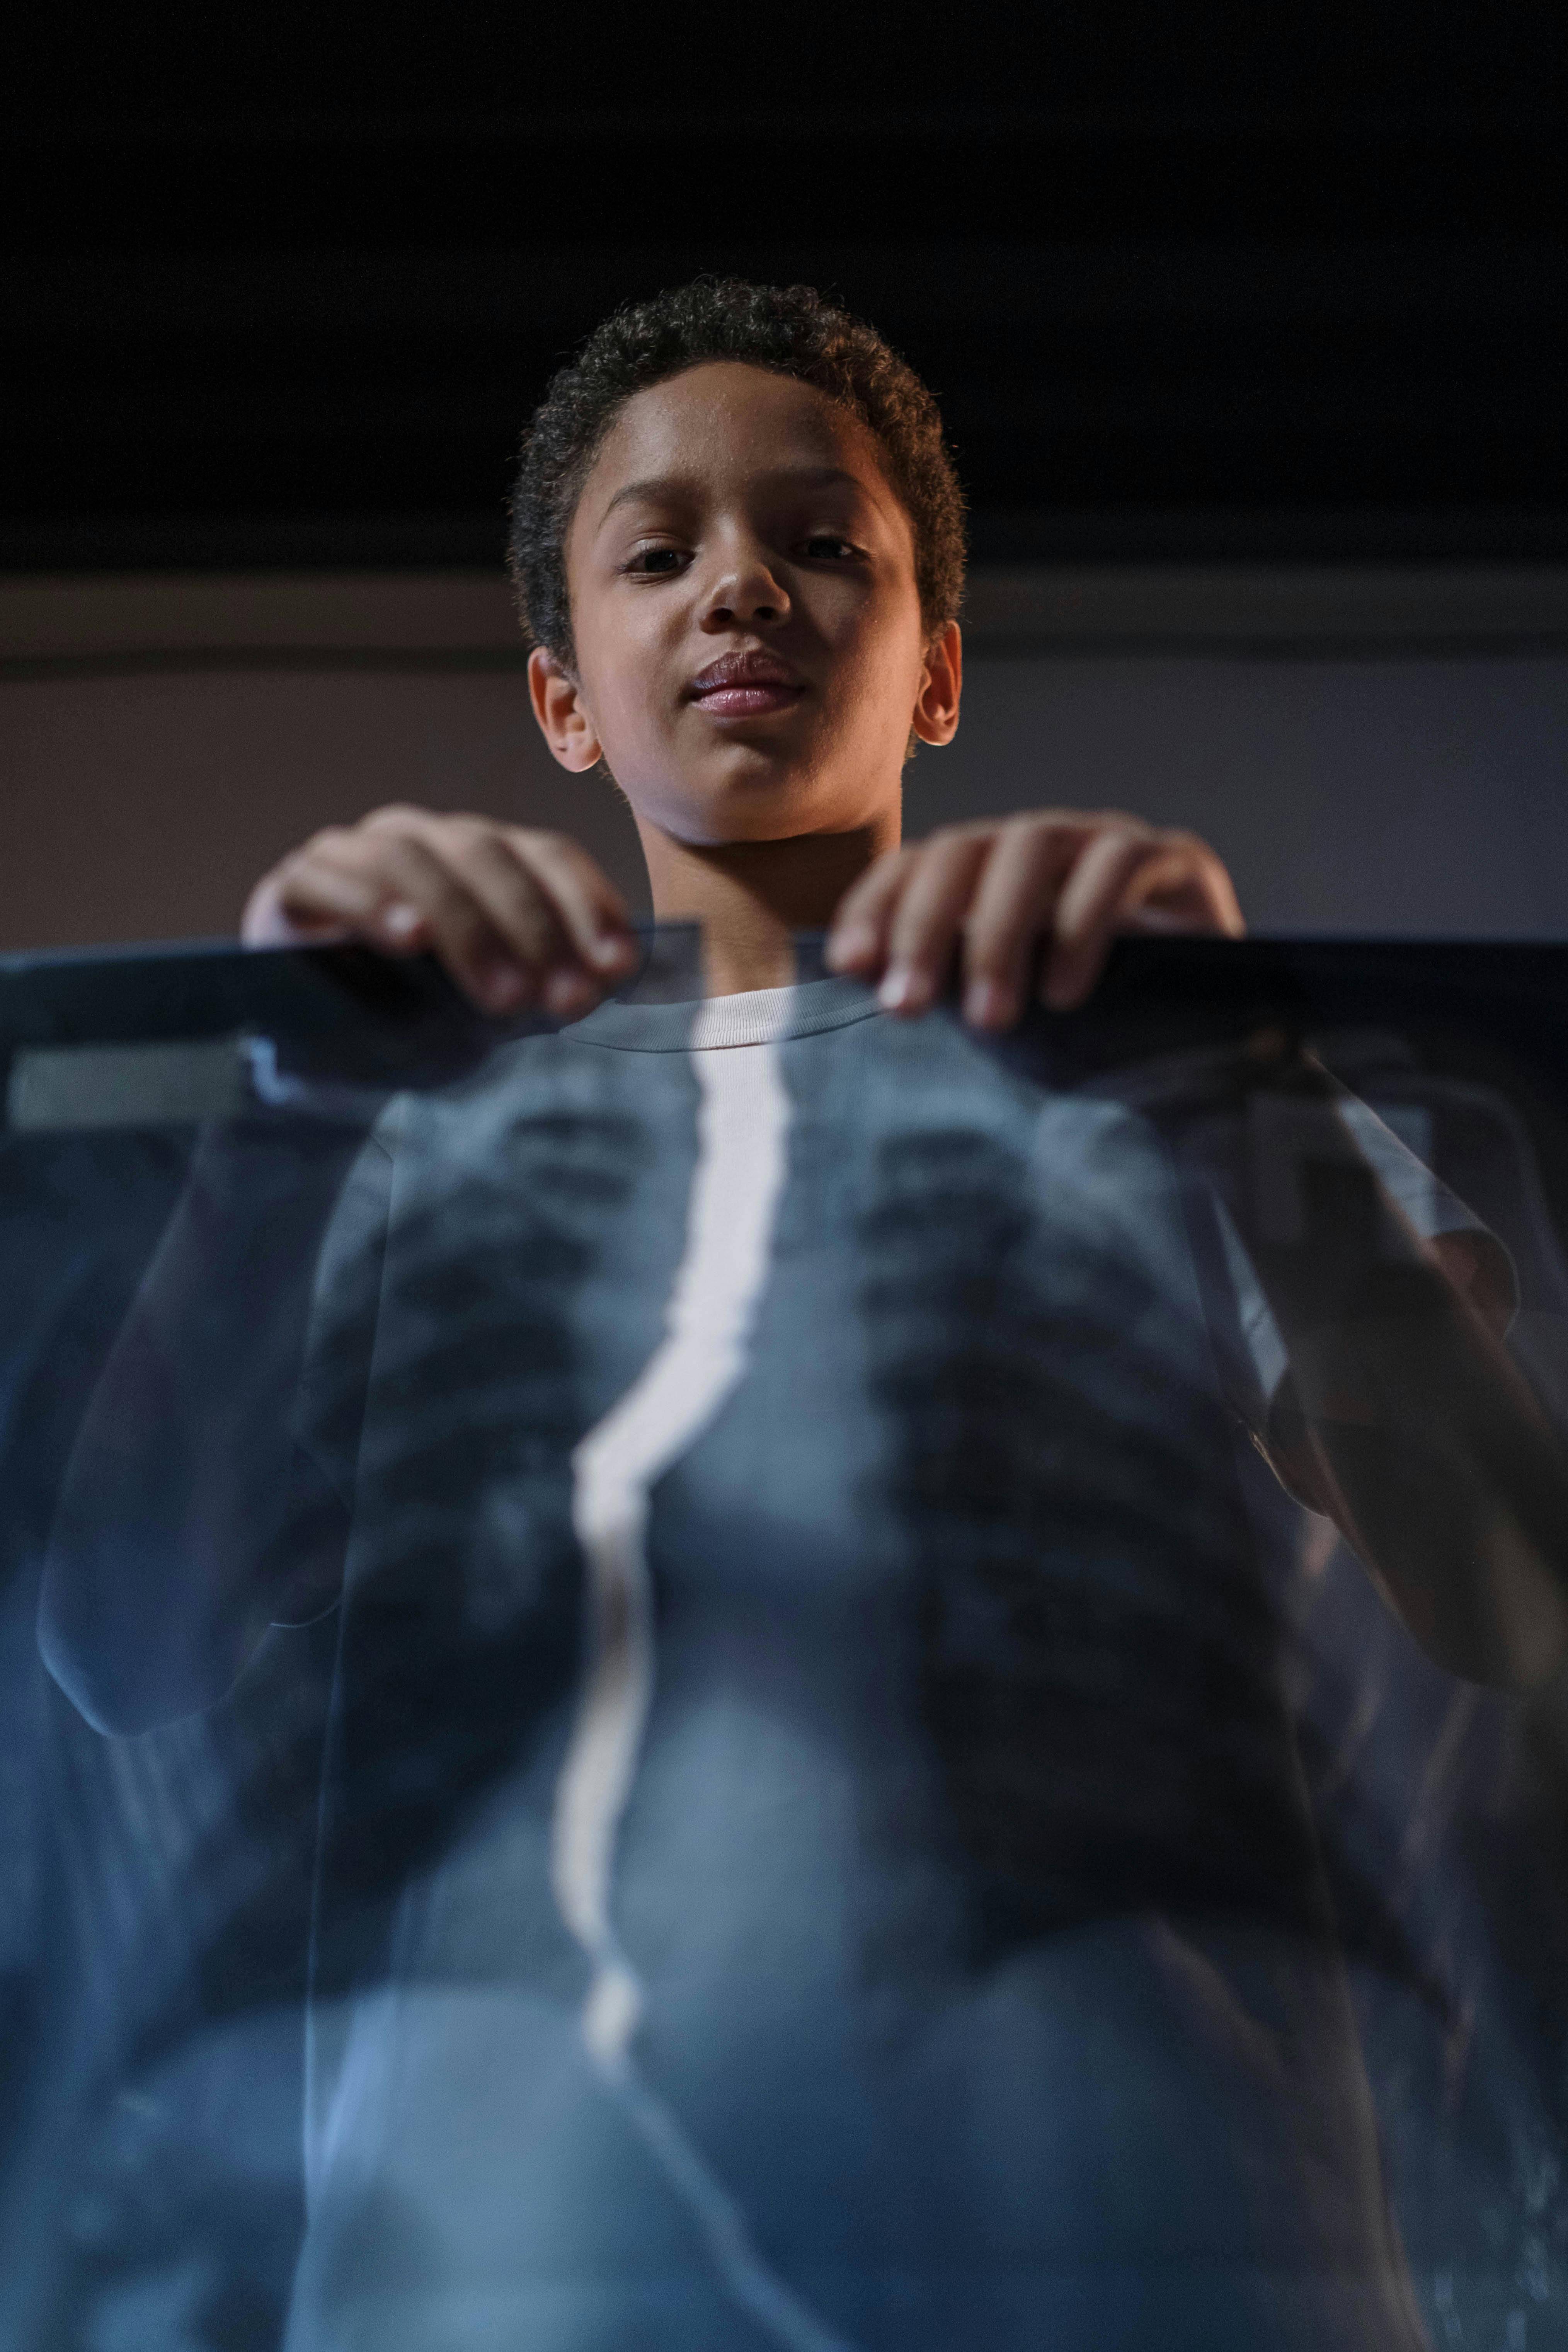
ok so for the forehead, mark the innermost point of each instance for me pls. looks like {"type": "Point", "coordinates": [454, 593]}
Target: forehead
{"type": "Point", "coordinates": [725, 422]}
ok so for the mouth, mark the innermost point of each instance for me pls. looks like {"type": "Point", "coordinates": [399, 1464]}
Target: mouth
{"type": "Point", "coordinates": [746, 686]}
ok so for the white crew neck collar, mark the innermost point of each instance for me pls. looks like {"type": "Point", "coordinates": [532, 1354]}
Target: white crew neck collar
{"type": "Point", "coordinates": [755, 1016]}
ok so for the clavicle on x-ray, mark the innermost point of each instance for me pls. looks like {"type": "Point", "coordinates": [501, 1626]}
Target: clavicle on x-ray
{"type": "Point", "coordinates": [830, 1676]}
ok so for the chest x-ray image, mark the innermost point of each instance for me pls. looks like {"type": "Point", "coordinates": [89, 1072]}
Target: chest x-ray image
{"type": "Point", "coordinates": [742, 1675]}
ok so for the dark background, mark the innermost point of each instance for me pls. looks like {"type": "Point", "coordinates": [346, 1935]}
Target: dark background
{"type": "Point", "coordinates": [1234, 282]}
{"type": "Point", "coordinates": [1250, 325]}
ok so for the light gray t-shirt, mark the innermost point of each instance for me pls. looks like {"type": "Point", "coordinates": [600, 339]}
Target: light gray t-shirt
{"type": "Point", "coordinates": [814, 1850]}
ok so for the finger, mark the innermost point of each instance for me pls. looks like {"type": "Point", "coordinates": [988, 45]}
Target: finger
{"type": "Point", "coordinates": [549, 902]}
{"type": "Point", "coordinates": [1108, 880]}
{"type": "Point", "coordinates": [418, 865]}
{"type": "Point", "coordinates": [561, 920]}
{"type": "Point", "coordinates": [533, 954]}
{"type": "Point", "coordinates": [1014, 909]}
{"type": "Point", "coordinates": [265, 923]}
{"type": "Point", "coordinates": [929, 917]}
{"type": "Point", "coordinates": [1195, 893]}
{"type": "Point", "coordinates": [323, 890]}
{"type": "Point", "coordinates": [857, 940]}
{"type": "Point", "coordinates": [586, 903]}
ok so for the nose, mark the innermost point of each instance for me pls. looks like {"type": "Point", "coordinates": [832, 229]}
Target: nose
{"type": "Point", "coordinates": [746, 592]}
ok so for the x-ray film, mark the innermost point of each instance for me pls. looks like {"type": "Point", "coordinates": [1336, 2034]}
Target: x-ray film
{"type": "Point", "coordinates": [751, 1675]}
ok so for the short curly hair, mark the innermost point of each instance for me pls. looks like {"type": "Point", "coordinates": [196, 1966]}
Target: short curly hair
{"type": "Point", "coordinates": [792, 330]}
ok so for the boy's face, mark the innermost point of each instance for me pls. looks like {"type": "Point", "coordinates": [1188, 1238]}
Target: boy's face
{"type": "Point", "coordinates": [751, 656]}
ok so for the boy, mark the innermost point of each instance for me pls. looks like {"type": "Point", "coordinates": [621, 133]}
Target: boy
{"type": "Point", "coordinates": [813, 1851]}
{"type": "Point", "coordinates": [744, 589]}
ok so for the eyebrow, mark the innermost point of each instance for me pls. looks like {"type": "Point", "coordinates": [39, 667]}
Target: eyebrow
{"type": "Point", "coordinates": [665, 486]}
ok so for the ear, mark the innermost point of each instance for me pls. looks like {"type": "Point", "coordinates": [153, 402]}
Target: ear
{"type": "Point", "coordinates": [936, 705]}
{"type": "Point", "coordinates": [563, 717]}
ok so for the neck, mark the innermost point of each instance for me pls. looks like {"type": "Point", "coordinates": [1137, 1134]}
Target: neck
{"type": "Point", "coordinates": [749, 897]}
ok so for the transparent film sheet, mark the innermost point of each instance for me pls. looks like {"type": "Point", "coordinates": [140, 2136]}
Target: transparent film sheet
{"type": "Point", "coordinates": [747, 1674]}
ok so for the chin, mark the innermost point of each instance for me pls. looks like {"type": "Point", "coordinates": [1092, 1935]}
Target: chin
{"type": "Point", "coordinates": [732, 827]}
{"type": "Point", "coordinates": [755, 808]}
{"type": "Point", "coordinates": [756, 795]}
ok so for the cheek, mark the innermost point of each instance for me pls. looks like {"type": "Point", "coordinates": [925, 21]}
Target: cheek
{"type": "Point", "coordinates": [633, 711]}
{"type": "Point", "coordinates": [626, 687]}
{"type": "Point", "coordinates": [879, 674]}
{"type": "Point", "coordinates": [873, 623]}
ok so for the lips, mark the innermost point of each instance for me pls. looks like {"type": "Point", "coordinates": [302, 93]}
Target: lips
{"type": "Point", "coordinates": [746, 686]}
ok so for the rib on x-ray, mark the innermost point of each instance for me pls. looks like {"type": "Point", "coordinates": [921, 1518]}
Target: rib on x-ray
{"type": "Point", "coordinates": [749, 1676]}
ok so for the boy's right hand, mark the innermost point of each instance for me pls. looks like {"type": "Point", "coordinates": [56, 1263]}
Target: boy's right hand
{"type": "Point", "coordinates": [518, 917]}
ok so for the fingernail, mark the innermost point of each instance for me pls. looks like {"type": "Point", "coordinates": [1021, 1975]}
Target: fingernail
{"type": "Point", "coordinates": [902, 991]}
{"type": "Point", "coordinates": [567, 991]}
{"type": "Point", "coordinates": [613, 952]}
{"type": "Point", "coordinates": [400, 920]}
{"type": "Point", "coordinates": [987, 1004]}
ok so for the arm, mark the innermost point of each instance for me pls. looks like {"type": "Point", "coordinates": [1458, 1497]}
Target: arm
{"type": "Point", "coordinates": [208, 1492]}
{"type": "Point", "coordinates": [191, 1516]}
{"type": "Point", "coordinates": [1402, 1415]}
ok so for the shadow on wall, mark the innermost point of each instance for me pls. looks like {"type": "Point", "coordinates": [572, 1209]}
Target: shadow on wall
{"type": "Point", "coordinates": [162, 742]}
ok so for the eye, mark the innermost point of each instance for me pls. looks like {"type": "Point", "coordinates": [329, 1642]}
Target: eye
{"type": "Point", "coordinates": [826, 546]}
{"type": "Point", "coordinates": [657, 563]}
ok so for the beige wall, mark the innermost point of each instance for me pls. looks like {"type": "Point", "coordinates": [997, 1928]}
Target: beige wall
{"type": "Point", "coordinates": [162, 741]}
{"type": "Point", "coordinates": [1371, 751]}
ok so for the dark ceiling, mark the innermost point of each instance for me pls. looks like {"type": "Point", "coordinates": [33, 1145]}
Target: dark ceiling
{"type": "Point", "coordinates": [1201, 281]}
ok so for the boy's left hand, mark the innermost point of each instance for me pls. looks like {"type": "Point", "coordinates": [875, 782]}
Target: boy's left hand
{"type": "Point", "coordinates": [1055, 885]}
